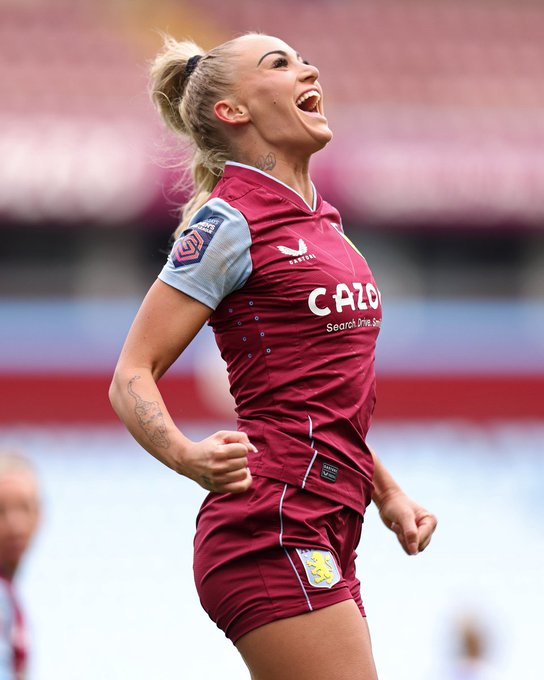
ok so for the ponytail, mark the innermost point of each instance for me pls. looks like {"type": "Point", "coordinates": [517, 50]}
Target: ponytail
{"type": "Point", "coordinates": [185, 85]}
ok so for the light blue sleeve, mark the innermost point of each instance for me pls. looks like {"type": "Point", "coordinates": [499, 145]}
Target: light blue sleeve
{"type": "Point", "coordinates": [6, 624]}
{"type": "Point", "coordinates": [211, 257]}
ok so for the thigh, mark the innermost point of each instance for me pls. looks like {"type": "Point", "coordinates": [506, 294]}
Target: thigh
{"type": "Point", "coordinates": [332, 643]}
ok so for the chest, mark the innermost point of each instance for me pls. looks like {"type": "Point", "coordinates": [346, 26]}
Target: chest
{"type": "Point", "coordinates": [308, 265]}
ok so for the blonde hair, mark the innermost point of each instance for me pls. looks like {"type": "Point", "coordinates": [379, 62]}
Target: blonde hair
{"type": "Point", "coordinates": [186, 103]}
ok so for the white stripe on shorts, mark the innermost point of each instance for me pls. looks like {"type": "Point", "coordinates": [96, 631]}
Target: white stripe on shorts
{"type": "Point", "coordinates": [287, 552]}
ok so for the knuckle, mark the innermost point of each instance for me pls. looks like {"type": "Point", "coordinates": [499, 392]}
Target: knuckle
{"type": "Point", "coordinates": [216, 469]}
{"type": "Point", "coordinates": [218, 453]}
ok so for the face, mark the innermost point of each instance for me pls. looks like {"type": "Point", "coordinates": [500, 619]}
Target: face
{"type": "Point", "coordinates": [281, 95]}
{"type": "Point", "coordinates": [19, 514]}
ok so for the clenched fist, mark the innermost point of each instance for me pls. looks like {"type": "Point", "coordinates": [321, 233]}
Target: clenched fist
{"type": "Point", "coordinates": [219, 462]}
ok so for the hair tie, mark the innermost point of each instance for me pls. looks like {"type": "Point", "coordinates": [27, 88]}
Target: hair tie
{"type": "Point", "coordinates": [191, 65]}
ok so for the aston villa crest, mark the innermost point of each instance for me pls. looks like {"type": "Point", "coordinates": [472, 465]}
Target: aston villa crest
{"type": "Point", "coordinates": [320, 567]}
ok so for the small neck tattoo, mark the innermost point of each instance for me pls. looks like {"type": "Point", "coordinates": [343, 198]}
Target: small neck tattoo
{"type": "Point", "coordinates": [266, 163]}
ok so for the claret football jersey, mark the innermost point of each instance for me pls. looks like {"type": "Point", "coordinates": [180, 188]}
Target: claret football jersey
{"type": "Point", "coordinates": [296, 314]}
{"type": "Point", "coordinates": [13, 650]}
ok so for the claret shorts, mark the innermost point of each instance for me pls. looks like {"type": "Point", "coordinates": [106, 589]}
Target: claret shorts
{"type": "Point", "coordinates": [273, 552]}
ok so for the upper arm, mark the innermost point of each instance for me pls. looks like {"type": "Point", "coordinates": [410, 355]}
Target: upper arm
{"type": "Point", "coordinates": [211, 258]}
{"type": "Point", "coordinates": [165, 324]}
{"type": "Point", "coordinates": [207, 262]}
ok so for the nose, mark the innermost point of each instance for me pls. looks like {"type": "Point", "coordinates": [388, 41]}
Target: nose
{"type": "Point", "coordinates": [309, 72]}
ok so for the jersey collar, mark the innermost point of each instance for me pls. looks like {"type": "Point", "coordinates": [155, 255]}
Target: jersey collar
{"type": "Point", "coordinates": [276, 184]}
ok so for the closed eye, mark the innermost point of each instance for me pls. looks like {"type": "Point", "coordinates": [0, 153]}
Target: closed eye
{"type": "Point", "coordinates": [280, 62]}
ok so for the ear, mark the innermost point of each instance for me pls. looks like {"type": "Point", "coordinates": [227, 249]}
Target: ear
{"type": "Point", "coordinates": [231, 113]}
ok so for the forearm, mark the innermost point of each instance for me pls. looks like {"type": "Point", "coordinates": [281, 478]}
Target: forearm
{"type": "Point", "coordinates": [137, 401]}
{"type": "Point", "coordinates": [384, 484]}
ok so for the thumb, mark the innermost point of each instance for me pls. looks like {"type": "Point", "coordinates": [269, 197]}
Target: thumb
{"type": "Point", "coordinates": [409, 535]}
{"type": "Point", "coordinates": [239, 437]}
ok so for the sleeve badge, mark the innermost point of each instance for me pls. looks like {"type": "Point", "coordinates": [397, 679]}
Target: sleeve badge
{"type": "Point", "coordinates": [192, 244]}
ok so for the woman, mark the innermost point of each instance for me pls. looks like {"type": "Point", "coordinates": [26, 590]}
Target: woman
{"type": "Point", "coordinates": [296, 312]}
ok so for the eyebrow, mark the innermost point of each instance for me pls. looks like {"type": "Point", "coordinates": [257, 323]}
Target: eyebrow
{"type": "Point", "coordinates": [282, 52]}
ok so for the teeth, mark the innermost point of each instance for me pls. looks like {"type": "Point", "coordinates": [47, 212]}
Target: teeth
{"type": "Point", "coordinates": [307, 95]}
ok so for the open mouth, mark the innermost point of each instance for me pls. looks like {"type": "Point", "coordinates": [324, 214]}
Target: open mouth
{"type": "Point", "coordinates": [309, 102]}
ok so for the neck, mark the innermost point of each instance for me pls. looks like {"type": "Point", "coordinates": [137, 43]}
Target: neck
{"type": "Point", "coordinates": [296, 174]}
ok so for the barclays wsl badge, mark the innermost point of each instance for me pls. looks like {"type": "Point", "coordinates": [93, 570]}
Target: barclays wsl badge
{"type": "Point", "coordinates": [320, 567]}
{"type": "Point", "coordinates": [192, 244]}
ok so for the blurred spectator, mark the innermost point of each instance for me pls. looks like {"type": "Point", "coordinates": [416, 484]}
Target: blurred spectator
{"type": "Point", "coordinates": [472, 660]}
{"type": "Point", "coordinates": [19, 516]}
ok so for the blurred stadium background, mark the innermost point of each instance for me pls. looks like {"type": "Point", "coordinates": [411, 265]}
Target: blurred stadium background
{"type": "Point", "coordinates": [438, 168]}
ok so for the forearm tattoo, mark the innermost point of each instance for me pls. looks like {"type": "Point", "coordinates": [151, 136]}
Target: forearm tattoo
{"type": "Point", "coordinates": [267, 162]}
{"type": "Point", "coordinates": [150, 417]}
